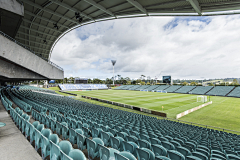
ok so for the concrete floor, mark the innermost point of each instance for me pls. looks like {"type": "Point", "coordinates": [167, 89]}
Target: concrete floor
{"type": "Point", "coordinates": [13, 144]}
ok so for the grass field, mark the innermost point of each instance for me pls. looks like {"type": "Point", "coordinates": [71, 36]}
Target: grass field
{"type": "Point", "coordinates": [223, 113]}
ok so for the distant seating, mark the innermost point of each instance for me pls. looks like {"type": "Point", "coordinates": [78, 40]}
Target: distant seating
{"type": "Point", "coordinates": [220, 90]}
{"type": "Point", "coordinates": [235, 92]}
{"type": "Point", "coordinates": [185, 89]}
{"type": "Point", "coordinates": [172, 88]}
{"type": "Point", "coordinates": [82, 86]}
{"type": "Point", "coordinates": [201, 89]}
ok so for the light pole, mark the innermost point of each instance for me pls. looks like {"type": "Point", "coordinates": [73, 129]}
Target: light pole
{"type": "Point", "coordinates": [113, 63]}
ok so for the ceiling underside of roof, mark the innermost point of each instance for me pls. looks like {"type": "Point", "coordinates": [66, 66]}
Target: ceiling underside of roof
{"type": "Point", "coordinates": [45, 21]}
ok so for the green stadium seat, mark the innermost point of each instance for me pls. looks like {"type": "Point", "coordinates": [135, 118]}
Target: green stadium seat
{"type": "Point", "coordinates": [168, 145]}
{"type": "Point", "coordinates": [81, 141]}
{"type": "Point", "coordinates": [175, 155]}
{"type": "Point", "coordinates": [105, 136]}
{"type": "Point", "coordinates": [184, 151]}
{"type": "Point", "coordinates": [76, 154]}
{"type": "Point", "coordinates": [192, 158]}
{"type": "Point", "coordinates": [159, 150]}
{"type": "Point", "coordinates": [93, 147]}
{"type": "Point", "coordinates": [144, 153]}
{"type": "Point", "coordinates": [143, 144]}
{"type": "Point", "coordinates": [106, 153]}
{"type": "Point", "coordinates": [200, 155]}
{"type": "Point", "coordinates": [117, 143]}
{"type": "Point", "coordinates": [124, 156]}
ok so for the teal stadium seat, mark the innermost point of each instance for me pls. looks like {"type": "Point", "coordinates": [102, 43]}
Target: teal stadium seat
{"type": "Point", "coordinates": [117, 143]}
{"type": "Point", "coordinates": [76, 154]}
{"type": "Point", "coordinates": [106, 153]}
{"type": "Point", "coordinates": [93, 147]}
{"type": "Point", "coordinates": [172, 154]}
{"type": "Point", "coordinates": [145, 154]}
{"type": "Point", "coordinates": [124, 156]}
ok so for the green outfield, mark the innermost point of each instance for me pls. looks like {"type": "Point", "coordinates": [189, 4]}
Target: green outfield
{"type": "Point", "coordinates": [223, 113]}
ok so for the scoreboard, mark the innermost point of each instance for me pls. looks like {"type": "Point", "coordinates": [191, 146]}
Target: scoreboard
{"type": "Point", "coordinates": [81, 81]}
{"type": "Point", "coordinates": [167, 79]}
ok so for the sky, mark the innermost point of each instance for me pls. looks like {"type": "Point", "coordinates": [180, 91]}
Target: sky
{"type": "Point", "coordinates": [183, 47]}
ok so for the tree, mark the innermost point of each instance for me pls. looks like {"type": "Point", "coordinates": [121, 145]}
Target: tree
{"type": "Point", "coordinates": [148, 83]}
{"type": "Point", "coordinates": [71, 80]}
{"type": "Point", "coordinates": [184, 83]}
{"type": "Point", "coordinates": [193, 83]}
{"type": "Point", "coordinates": [90, 80]}
{"type": "Point", "coordinates": [119, 77]}
{"type": "Point", "coordinates": [211, 84]}
{"type": "Point", "coordinates": [65, 80]}
{"type": "Point", "coordinates": [235, 82]}
{"type": "Point", "coordinates": [138, 81]}
{"type": "Point", "coordinates": [97, 81]}
{"type": "Point", "coordinates": [142, 77]}
{"type": "Point", "coordinates": [108, 81]}
{"type": "Point", "coordinates": [142, 83]}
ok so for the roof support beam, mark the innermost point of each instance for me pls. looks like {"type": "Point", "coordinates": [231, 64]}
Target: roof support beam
{"type": "Point", "coordinates": [26, 34]}
{"type": "Point", "coordinates": [32, 47]}
{"type": "Point", "coordinates": [71, 8]}
{"type": "Point", "coordinates": [196, 6]}
{"type": "Point", "coordinates": [54, 30]}
{"type": "Point", "coordinates": [32, 42]}
{"type": "Point", "coordinates": [42, 18]}
{"type": "Point", "coordinates": [138, 6]}
{"type": "Point", "coordinates": [37, 31]}
{"type": "Point", "coordinates": [48, 10]}
{"type": "Point", "coordinates": [100, 7]}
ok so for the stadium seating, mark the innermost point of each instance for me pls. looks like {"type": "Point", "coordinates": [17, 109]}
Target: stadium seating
{"type": "Point", "coordinates": [235, 92]}
{"type": "Point", "coordinates": [162, 87]}
{"type": "Point", "coordinates": [185, 89]}
{"type": "Point", "coordinates": [142, 87]}
{"type": "Point", "coordinates": [172, 88]}
{"type": "Point", "coordinates": [65, 87]}
{"type": "Point", "coordinates": [152, 87]}
{"type": "Point", "coordinates": [201, 90]}
{"type": "Point", "coordinates": [154, 138]}
{"type": "Point", "coordinates": [134, 87]}
{"type": "Point", "coordinates": [220, 90]}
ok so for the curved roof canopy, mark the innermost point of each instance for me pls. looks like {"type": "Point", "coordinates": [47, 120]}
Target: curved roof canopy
{"type": "Point", "coordinates": [46, 21]}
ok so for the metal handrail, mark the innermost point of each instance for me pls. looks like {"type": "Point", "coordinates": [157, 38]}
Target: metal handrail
{"type": "Point", "coordinates": [27, 48]}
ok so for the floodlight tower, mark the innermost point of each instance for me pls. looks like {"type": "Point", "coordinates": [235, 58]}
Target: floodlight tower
{"type": "Point", "coordinates": [113, 63]}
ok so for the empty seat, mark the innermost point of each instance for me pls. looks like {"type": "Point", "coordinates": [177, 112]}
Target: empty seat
{"type": "Point", "coordinates": [76, 154]}
{"type": "Point", "coordinates": [117, 143]}
{"type": "Point", "coordinates": [106, 153]}
{"type": "Point", "coordinates": [130, 147]}
{"type": "Point", "coordinates": [124, 156]}
{"type": "Point", "coordinates": [144, 153]}
{"type": "Point", "coordinates": [159, 150]}
{"type": "Point", "coordinates": [105, 136]}
{"type": "Point", "coordinates": [175, 155]}
{"type": "Point", "coordinates": [93, 147]}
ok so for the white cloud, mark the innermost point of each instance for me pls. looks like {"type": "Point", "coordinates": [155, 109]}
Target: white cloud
{"type": "Point", "coordinates": [182, 47]}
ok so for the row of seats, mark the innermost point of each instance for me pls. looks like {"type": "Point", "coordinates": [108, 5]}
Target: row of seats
{"type": "Point", "coordinates": [180, 141]}
{"type": "Point", "coordinates": [185, 89]}
{"type": "Point", "coordinates": [42, 137]}
{"type": "Point", "coordinates": [230, 91]}
{"type": "Point", "coordinates": [220, 90]}
{"type": "Point", "coordinates": [82, 86]}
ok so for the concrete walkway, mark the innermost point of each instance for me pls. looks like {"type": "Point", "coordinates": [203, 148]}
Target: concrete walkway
{"type": "Point", "coordinates": [13, 144]}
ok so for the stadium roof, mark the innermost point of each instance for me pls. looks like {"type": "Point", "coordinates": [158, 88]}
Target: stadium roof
{"type": "Point", "coordinates": [46, 21]}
